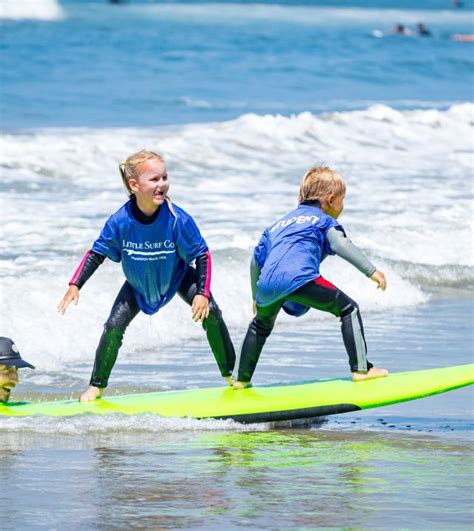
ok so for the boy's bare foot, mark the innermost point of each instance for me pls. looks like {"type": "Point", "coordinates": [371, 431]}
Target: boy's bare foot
{"type": "Point", "coordinates": [91, 394]}
{"type": "Point", "coordinates": [374, 372]}
{"type": "Point", "coordinates": [242, 385]}
{"type": "Point", "coordinates": [229, 380]}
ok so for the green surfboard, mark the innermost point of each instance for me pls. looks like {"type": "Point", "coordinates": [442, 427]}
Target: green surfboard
{"type": "Point", "coordinates": [266, 403]}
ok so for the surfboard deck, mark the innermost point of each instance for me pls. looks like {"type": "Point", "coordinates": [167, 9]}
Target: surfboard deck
{"type": "Point", "coordinates": [265, 403]}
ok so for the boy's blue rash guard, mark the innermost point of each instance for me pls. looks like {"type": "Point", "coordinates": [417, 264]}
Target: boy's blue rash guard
{"type": "Point", "coordinates": [290, 252]}
{"type": "Point", "coordinates": [154, 257]}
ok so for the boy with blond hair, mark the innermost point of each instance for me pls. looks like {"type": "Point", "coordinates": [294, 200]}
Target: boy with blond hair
{"type": "Point", "coordinates": [285, 273]}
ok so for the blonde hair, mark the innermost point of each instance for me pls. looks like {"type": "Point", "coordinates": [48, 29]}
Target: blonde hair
{"type": "Point", "coordinates": [319, 182]}
{"type": "Point", "coordinates": [130, 169]}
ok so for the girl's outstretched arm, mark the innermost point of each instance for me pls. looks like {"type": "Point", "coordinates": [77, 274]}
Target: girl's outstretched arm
{"type": "Point", "coordinates": [200, 306]}
{"type": "Point", "coordinates": [71, 295]}
{"type": "Point", "coordinates": [88, 265]}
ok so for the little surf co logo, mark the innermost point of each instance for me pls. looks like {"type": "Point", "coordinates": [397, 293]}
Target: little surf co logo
{"type": "Point", "coordinates": [148, 250]}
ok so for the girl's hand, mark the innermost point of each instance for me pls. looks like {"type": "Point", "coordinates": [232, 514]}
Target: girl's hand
{"type": "Point", "coordinates": [72, 295]}
{"type": "Point", "coordinates": [200, 308]}
{"type": "Point", "coordinates": [379, 277]}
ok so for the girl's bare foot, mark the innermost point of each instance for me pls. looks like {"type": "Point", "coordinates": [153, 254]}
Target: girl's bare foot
{"type": "Point", "coordinates": [229, 380]}
{"type": "Point", "coordinates": [91, 394]}
{"type": "Point", "coordinates": [242, 385]}
{"type": "Point", "coordinates": [374, 372]}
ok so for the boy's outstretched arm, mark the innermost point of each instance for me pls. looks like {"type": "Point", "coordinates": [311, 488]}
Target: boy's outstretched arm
{"type": "Point", "coordinates": [343, 247]}
{"type": "Point", "coordinates": [87, 267]}
{"type": "Point", "coordinates": [259, 256]}
{"type": "Point", "coordinates": [254, 276]}
{"type": "Point", "coordinates": [379, 277]}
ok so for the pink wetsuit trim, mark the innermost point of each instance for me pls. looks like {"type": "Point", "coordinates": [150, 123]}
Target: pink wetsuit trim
{"type": "Point", "coordinates": [79, 269]}
{"type": "Point", "coordinates": [207, 287]}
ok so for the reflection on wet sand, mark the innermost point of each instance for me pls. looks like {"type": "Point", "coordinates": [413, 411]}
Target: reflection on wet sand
{"type": "Point", "coordinates": [283, 478]}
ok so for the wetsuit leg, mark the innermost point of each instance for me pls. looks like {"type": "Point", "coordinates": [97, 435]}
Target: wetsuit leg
{"type": "Point", "coordinates": [259, 329]}
{"type": "Point", "coordinates": [124, 309]}
{"type": "Point", "coordinates": [323, 295]}
{"type": "Point", "coordinates": [214, 325]}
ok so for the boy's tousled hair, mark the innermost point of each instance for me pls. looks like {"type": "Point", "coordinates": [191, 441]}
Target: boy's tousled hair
{"type": "Point", "coordinates": [319, 182]}
{"type": "Point", "coordinates": [130, 169]}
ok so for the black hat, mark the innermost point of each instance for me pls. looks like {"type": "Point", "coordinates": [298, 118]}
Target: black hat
{"type": "Point", "coordinates": [9, 354]}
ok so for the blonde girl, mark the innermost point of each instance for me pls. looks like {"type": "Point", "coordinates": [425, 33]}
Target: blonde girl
{"type": "Point", "coordinates": [157, 242]}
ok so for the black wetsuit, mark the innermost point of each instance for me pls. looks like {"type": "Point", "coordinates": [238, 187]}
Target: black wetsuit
{"type": "Point", "coordinates": [321, 295]}
{"type": "Point", "coordinates": [125, 308]}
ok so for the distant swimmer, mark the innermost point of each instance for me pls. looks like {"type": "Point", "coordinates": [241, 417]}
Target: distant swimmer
{"type": "Point", "coordinates": [422, 31]}
{"type": "Point", "coordinates": [457, 3]}
{"type": "Point", "coordinates": [10, 362]}
{"type": "Point", "coordinates": [463, 38]}
{"type": "Point", "coordinates": [400, 29]}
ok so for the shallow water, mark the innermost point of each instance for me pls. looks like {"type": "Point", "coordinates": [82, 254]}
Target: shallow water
{"type": "Point", "coordinates": [291, 478]}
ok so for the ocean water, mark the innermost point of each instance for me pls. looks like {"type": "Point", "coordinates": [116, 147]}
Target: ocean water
{"type": "Point", "coordinates": [82, 63]}
{"type": "Point", "coordinates": [241, 98]}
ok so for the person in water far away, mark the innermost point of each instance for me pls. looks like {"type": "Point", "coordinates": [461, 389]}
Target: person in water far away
{"type": "Point", "coordinates": [285, 273]}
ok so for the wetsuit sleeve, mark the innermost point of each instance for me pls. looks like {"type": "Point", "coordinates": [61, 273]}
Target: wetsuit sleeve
{"type": "Point", "coordinates": [189, 242]}
{"type": "Point", "coordinates": [86, 268]}
{"type": "Point", "coordinates": [254, 276]}
{"type": "Point", "coordinates": [204, 272]}
{"type": "Point", "coordinates": [342, 246]}
{"type": "Point", "coordinates": [108, 243]}
{"type": "Point", "coordinates": [261, 251]}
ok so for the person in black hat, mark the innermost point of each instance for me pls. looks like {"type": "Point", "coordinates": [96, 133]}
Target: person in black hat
{"type": "Point", "coordinates": [10, 362]}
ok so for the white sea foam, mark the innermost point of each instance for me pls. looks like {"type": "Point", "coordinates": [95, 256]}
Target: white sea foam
{"type": "Point", "coordinates": [31, 9]}
{"type": "Point", "coordinates": [103, 425]}
{"type": "Point", "coordinates": [408, 205]}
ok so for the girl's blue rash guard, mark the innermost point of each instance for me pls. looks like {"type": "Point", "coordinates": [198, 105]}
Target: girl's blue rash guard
{"type": "Point", "coordinates": [155, 256]}
{"type": "Point", "coordinates": [290, 252]}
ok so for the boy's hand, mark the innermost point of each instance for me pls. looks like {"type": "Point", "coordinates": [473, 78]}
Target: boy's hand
{"type": "Point", "coordinates": [200, 308]}
{"type": "Point", "coordinates": [72, 295]}
{"type": "Point", "coordinates": [379, 277]}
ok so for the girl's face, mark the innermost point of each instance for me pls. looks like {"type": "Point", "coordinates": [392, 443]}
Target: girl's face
{"type": "Point", "coordinates": [334, 205]}
{"type": "Point", "coordinates": [152, 184]}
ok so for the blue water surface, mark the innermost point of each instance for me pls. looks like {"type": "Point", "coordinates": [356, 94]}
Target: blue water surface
{"type": "Point", "coordinates": [149, 63]}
